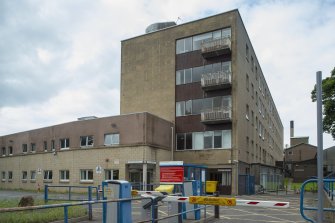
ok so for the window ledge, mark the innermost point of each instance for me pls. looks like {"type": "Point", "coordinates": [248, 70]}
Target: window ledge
{"type": "Point", "coordinates": [86, 181]}
{"type": "Point", "coordinates": [64, 181]}
{"type": "Point", "coordinates": [32, 181]}
{"type": "Point", "coordinates": [3, 180]}
{"type": "Point", "coordinates": [24, 181]}
{"type": "Point", "coordinates": [10, 180]}
{"type": "Point", "coordinates": [47, 181]}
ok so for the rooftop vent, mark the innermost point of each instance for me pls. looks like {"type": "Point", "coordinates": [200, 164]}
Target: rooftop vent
{"type": "Point", "coordinates": [87, 118]}
{"type": "Point", "coordinates": [157, 26]}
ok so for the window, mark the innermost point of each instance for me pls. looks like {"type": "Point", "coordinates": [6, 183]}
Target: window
{"type": "Point", "coordinates": [180, 141]}
{"type": "Point", "coordinates": [217, 139]}
{"type": "Point", "coordinates": [52, 146]}
{"type": "Point", "coordinates": [252, 90]}
{"type": "Point", "coordinates": [86, 175]}
{"type": "Point", "coordinates": [226, 139]}
{"type": "Point", "coordinates": [10, 150]}
{"type": "Point", "coordinates": [247, 143]}
{"type": "Point", "coordinates": [247, 52]}
{"type": "Point", "coordinates": [188, 107]}
{"type": "Point", "coordinates": [24, 148]}
{"type": "Point", "coordinates": [111, 174]}
{"type": "Point", "coordinates": [64, 143]}
{"type": "Point", "coordinates": [45, 145]}
{"type": "Point", "coordinates": [47, 175]}
{"type": "Point", "coordinates": [226, 177]}
{"type": "Point", "coordinates": [252, 117]}
{"type": "Point", "coordinates": [3, 176]}
{"type": "Point", "coordinates": [64, 175]}
{"type": "Point", "coordinates": [33, 147]}
{"type": "Point", "coordinates": [86, 141]}
{"type": "Point", "coordinates": [198, 140]}
{"type": "Point", "coordinates": [112, 139]}
{"type": "Point", "coordinates": [247, 81]}
{"type": "Point", "coordinates": [33, 175]}
{"type": "Point", "coordinates": [188, 141]}
{"type": "Point", "coordinates": [247, 112]}
{"type": "Point", "coordinates": [208, 140]}
{"type": "Point", "coordinates": [194, 43]}
{"type": "Point", "coordinates": [3, 151]}
{"type": "Point", "coordinates": [24, 175]}
{"type": "Point", "coordinates": [180, 108]}
{"type": "Point", "coordinates": [10, 175]}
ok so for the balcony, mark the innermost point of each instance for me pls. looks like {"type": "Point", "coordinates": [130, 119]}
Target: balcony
{"type": "Point", "coordinates": [218, 80]}
{"type": "Point", "coordinates": [216, 115]}
{"type": "Point", "coordinates": [216, 47]}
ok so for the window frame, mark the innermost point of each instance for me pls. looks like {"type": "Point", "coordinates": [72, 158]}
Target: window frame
{"type": "Point", "coordinates": [66, 143]}
{"type": "Point", "coordinates": [47, 175]}
{"type": "Point", "coordinates": [3, 176]}
{"type": "Point", "coordinates": [10, 176]}
{"type": "Point", "coordinates": [33, 147]}
{"type": "Point", "coordinates": [24, 175]}
{"type": "Point", "coordinates": [33, 175]}
{"type": "Point", "coordinates": [64, 175]}
{"type": "Point", "coordinates": [88, 138]}
{"type": "Point", "coordinates": [113, 135]}
{"type": "Point", "coordinates": [87, 175]}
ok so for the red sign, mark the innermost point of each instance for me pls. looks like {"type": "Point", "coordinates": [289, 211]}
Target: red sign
{"type": "Point", "coordinates": [172, 174]}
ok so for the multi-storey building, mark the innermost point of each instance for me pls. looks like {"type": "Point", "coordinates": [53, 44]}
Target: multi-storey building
{"type": "Point", "coordinates": [204, 77]}
{"type": "Point", "coordinates": [204, 86]}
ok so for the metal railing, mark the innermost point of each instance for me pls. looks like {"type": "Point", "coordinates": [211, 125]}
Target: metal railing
{"type": "Point", "coordinates": [302, 193]}
{"type": "Point", "coordinates": [214, 45]}
{"type": "Point", "coordinates": [216, 79]}
{"type": "Point", "coordinates": [216, 115]}
{"type": "Point", "coordinates": [70, 196]}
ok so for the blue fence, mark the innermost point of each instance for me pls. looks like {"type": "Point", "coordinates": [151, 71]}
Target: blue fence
{"type": "Point", "coordinates": [328, 187]}
{"type": "Point", "coordinates": [70, 196]}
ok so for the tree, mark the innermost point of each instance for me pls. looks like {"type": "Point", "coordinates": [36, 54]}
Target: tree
{"type": "Point", "coordinates": [328, 101]}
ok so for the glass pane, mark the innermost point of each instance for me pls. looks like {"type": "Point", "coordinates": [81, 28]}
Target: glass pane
{"type": "Point", "coordinates": [208, 140]}
{"type": "Point", "coordinates": [196, 106]}
{"type": "Point", "coordinates": [62, 143]}
{"type": "Point", "coordinates": [115, 139]}
{"type": "Point", "coordinates": [198, 140]}
{"type": "Point", "coordinates": [188, 107]}
{"type": "Point", "coordinates": [226, 101]}
{"type": "Point", "coordinates": [180, 46]}
{"type": "Point", "coordinates": [108, 139]}
{"type": "Point", "coordinates": [217, 102]}
{"type": "Point", "coordinates": [216, 67]}
{"type": "Point", "coordinates": [226, 32]}
{"type": "Point", "coordinates": [188, 140]}
{"type": "Point", "coordinates": [196, 73]}
{"type": "Point", "coordinates": [188, 44]}
{"type": "Point", "coordinates": [90, 174]}
{"type": "Point", "coordinates": [188, 76]}
{"type": "Point", "coordinates": [226, 66]}
{"type": "Point", "coordinates": [180, 77]}
{"type": "Point", "coordinates": [115, 174]}
{"type": "Point", "coordinates": [180, 141]}
{"type": "Point", "coordinates": [180, 108]}
{"type": "Point", "coordinates": [83, 140]}
{"type": "Point", "coordinates": [90, 140]}
{"type": "Point", "coordinates": [217, 34]}
{"type": "Point", "coordinates": [207, 104]}
{"type": "Point", "coordinates": [208, 69]}
{"type": "Point", "coordinates": [197, 40]}
{"type": "Point", "coordinates": [226, 139]}
{"type": "Point", "coordinates": [217, 139]}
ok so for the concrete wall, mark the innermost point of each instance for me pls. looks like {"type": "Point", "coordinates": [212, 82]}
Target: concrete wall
{"type": "Point", "coordinates": [134, 129]}
{"type": "Point", "coordinates": [74, 160]}
{"type": "Point", "coordinates": [300, 152]}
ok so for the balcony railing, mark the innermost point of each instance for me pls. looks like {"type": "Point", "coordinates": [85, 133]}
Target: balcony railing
{"type": "Point", "coordinates": [216, 47]}
{"type": "Point", "coordinates": [216, 115]}
{"type": "Point", "coordinates": [217, 80]}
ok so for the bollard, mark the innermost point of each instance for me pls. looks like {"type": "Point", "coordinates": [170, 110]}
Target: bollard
{"type": "Point", "coordinates": [66, 214]}
{"type": "Point", "coordinates": [216, 207]}
{"type": "Point", "coordinates": [90, 215]}
{"type": "Point", "coordinates": [45, 193]}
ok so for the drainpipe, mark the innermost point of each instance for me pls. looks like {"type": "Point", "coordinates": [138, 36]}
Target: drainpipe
{"type": "Point", "coordinates": [172, 142]}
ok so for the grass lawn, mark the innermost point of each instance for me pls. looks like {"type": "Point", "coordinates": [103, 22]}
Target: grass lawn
{"type": "Point", "coordinates": [38, 216]}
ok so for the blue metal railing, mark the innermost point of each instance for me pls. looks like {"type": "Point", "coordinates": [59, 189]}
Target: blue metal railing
{"type": "Point", "coordinates": [70, 197]}
{"type": "Point", "coordinates": [330, 187]}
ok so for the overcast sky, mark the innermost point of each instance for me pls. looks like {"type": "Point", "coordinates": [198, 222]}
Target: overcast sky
{"type": "Point", "coordinates": [60, 60]}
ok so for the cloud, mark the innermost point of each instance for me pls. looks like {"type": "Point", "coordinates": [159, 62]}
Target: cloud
{"type": "Point", "coordinates": [60, 60]}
